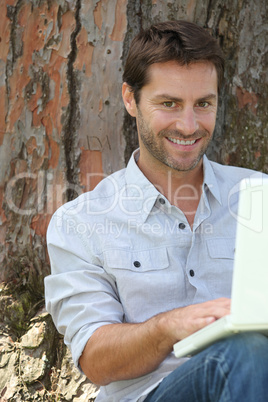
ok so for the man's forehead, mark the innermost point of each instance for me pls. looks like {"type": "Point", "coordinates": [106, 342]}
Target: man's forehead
{"type": "Point", "coordinates": [166, 78]}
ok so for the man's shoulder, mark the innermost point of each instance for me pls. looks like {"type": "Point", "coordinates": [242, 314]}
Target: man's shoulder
{"type": "Point", "coordinates": [233, 174]}
{"type": "Point", "coordinates": [109, 186]}
{"type": "Point", "coordinates": [102, 196]}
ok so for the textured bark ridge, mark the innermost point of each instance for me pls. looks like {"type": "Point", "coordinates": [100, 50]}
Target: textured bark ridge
{"type": "Point", "coordinates": [63, 128]}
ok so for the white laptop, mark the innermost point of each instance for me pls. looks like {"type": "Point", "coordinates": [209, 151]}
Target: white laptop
{"type": "Point", "coordinates": [249, 304]}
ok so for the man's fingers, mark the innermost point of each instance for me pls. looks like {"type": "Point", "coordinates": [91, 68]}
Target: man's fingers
{"type": "Point", "coordinates": [209, 320]}
{"type": "Point", "coordinates": [200, 315]}
{"type": "Point", "coordinates": [202, 322]}
{"type": "Point", "coordinates": [187, 320]}
{"type": "Point", "coordinates": [216, 308]}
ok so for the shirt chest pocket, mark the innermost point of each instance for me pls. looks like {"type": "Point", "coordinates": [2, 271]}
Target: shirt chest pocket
{"type": "Point", "coordinates": [144, 282]}
{"type": "Point", "coordinates": [136, 261]}
{"type": "Point", "coordinates": [221, 248]}
{"type": "Point", "coordinates": [219, 268]}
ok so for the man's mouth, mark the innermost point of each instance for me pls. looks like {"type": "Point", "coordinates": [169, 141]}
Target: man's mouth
{"type": "Point", "coordinates": [182, 142]}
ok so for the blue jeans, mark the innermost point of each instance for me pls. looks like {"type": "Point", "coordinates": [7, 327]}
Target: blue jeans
{"type": "Point", "coordinates": [232, 370]}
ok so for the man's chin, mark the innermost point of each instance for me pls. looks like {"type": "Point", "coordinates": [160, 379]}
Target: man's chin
{"type": "Point", "coordinates": [184, 166]}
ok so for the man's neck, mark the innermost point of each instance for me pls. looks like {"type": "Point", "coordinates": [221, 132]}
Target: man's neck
{"type": "Point", "coordinates": [182, 188]}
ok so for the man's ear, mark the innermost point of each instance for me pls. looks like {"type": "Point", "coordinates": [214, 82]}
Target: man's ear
{"type": "Point", "coordinates": [129, 101]}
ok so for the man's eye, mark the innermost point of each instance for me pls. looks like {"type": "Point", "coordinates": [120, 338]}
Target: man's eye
{"type": "Point", "coordinates": [169, 104]}
{"type": "Point", "coordinates": [203, 104]}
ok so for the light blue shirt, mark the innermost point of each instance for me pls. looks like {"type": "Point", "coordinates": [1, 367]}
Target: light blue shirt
{"type": "Point", "coordinates": [123, 253]}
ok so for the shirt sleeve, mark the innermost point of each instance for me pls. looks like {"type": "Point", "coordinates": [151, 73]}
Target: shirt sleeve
{"type": "Point", "coordinates": [79, 294]}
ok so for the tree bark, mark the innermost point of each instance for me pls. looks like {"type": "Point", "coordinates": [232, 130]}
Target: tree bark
{"type": "Point", "coordinates": [63, 128]}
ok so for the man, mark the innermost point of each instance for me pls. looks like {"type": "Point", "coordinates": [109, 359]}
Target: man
{"type": "Point", "coordinates": [146, 258]}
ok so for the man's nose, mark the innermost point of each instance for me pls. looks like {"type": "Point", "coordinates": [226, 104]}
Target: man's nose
{"type": "Point", "coordinates": [187, 122]}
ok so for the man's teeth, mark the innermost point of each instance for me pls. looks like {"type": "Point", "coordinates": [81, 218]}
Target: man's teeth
{"type": "Point", "coordinates": [181, 142]}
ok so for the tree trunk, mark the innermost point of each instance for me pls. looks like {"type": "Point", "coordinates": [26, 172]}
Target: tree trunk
{"type": "Point", "coordinates": [63, 128]}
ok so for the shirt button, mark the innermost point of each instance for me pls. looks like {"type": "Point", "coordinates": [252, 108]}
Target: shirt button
{"type": "Point", "coordinates": [182, 225]}
{"type": "Point", "coordinates": [137, 264]}
{"type": "Point", "coordinates": [162, 201]}
{"type": "Point", "coordinates": [191, 272]}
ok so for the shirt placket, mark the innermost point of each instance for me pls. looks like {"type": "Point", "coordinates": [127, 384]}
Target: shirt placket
{"type": "Point", "coordinates": [192, 264]}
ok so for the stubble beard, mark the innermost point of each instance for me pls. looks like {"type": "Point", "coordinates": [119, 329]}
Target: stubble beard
{"type": "Point", "coordinates": [149, 139]}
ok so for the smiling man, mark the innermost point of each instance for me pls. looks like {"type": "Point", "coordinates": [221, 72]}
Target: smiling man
{"type": "Point", "coordinates": [123, 300]}
{"type": "Point", "coordinates": [175, 116]}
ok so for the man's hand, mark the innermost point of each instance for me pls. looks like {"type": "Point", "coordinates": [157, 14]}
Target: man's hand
{"type": "Point", "coordinates": [184, 321]}
{"type": "Point", "coordinates": [125, 351]}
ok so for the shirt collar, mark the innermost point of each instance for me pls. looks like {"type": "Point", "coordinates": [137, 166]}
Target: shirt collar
{"type": "Point", "coordinates": [210, 182]}
{"type": "Point", "coordinates": [144, 194]}
{"type": "Point", "coordinates": [140, 188]}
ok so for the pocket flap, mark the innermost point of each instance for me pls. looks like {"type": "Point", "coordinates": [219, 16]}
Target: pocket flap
{"type": "Point", "coordinates": [221, 248]}
{"type": "Point", "coordinates": [140, 260]}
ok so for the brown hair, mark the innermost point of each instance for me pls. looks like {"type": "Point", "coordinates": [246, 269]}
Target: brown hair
{"type": "Point", "coordinates": [182, 41]}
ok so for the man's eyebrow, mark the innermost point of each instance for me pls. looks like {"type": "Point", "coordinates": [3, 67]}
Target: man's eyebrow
{"type": "Point", "coordinates": [208, 97]}
{"type": "Point", "coordinates": [163, 96]}
{"type": "Point", "coordinates": [169, 97]}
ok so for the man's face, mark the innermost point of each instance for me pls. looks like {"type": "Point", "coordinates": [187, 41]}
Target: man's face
{"type": "Point", "coordinates": [176, 114]}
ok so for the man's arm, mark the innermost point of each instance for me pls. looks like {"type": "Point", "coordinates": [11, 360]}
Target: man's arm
{"type": "Point", "coordinates": [125, 351]}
